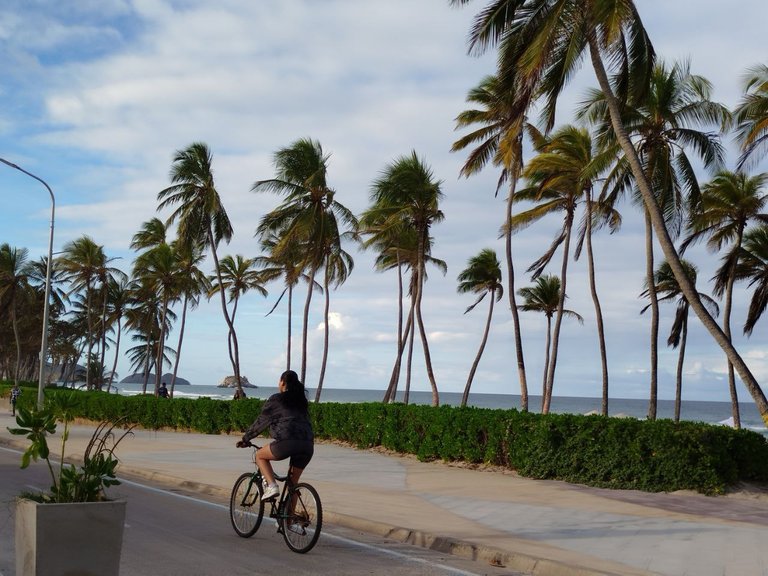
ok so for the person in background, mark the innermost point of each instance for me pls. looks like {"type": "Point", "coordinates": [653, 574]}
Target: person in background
{"type": "Point", "coordinates": [239, 394]}
{"type": "Point", "coordinates": [15, 393]}
{"type": "Point", "coordinates": [162, 392]}
{"type": "Point", "coordinates": [286, 414]}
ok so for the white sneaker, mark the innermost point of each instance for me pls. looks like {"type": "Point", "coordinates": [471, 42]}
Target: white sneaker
{"type": "Point", "coordinates": [270, 491]}
{"type": "Point", "coordinates": [297, 528]}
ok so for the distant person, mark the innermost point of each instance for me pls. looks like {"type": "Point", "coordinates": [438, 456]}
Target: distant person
{"type": "Point", "coordinates": [15, 393]}
{"type": "Point", "coordinates": [286, 414]}
{"type": "Point", "coordinates": [162, 392]}
{"type": "Point", "coordinates": [239, 394]}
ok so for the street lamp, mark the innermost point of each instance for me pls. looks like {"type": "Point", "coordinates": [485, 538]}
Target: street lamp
{"type": "Point", "coordinates": [44, 344]}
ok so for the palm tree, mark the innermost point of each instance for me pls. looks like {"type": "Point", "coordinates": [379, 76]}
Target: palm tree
{"type": "Point", "coordinates": [545, 297]}
{"type": "Point", "coordinates": [668, 289]}
{"type": "Point", "coordinates": [285, 264]}
{"type": "Point", "coordinates": [338, 267]}
{"type": "Point", "coordinates": [406, 194]}
{"type": "Point", "coordinates": [158, 271]}
{"type": "Point", "coordinates": [309, 214]}
{"type": "Point", "coordinates": [559, 176]}
{"type": "Point", "coordinates": [751, 116]}
{"type": "Point", "coordinates": [663, 127]}
{"type": "Point", "coordinates": [203, 221]}
{"type": "Point", "coordinates": [192, 284]}
{"type": "Point", "coordinates": [728, 203]}
{"type": "Point", "coordinates": [238, 276]}
{"type": "Point", "coordinates": [83, 263]}
{"type": "Point", "coordinates": [500, 113]}
{"type": "Point", "coordinates": [481, 276]}
{"type": "Point", "coordinates": [543, 42]}
{"type": "Point", "coordinates": [397, 245]}
{"type": "Point", "coordinates": [14, 288]}
{"type": "Point", "coordinates": [753, 267]}
{"type": "Point", "coordinates": [119, 295]}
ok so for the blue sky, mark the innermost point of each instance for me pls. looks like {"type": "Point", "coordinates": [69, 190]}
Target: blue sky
{"type": "Point", "coordinates": [97, 95]}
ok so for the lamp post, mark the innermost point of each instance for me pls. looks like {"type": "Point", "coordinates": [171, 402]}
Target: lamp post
{"type": "Point", "coordinates": [44, 343]}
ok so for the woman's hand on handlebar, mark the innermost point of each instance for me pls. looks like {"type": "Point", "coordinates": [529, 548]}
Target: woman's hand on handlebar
{"type": "Point", "coordinates": [244, 444]}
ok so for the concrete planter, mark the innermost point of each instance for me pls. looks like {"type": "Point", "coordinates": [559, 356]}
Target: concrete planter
{"type": "Point", "coordinates": [74, 538]}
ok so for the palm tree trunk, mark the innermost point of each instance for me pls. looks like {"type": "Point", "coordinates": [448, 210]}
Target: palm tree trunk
{"type": "Point", "coordinates": [653, 399]}
{"type": "Point", "coordinates": [680, 361]}
{"type": "Point", "coordinates": [178, 347]}
{"type": "Point", "coordinates": [325, 334]}
{"type": "Point", "coordinates": [512, 299]}
{"type": "Point", "coordinates": [596, 302]}
{"type": "Point", "coordinates": [117, 352]}
{"type": "Point", "coordinates": [391, 393]}
{"type": "Point", "coordinates": [559, 316]}
{"type": "Point", "coordinates": [305, 326]}
{"type": "Point", "coordinates": [547, 347]}
{"type": "Point", "coordinates": [230, 325]}
{"type": "Point", "coordinates": [161, 347]}
{"type": "Point", "coordinates": [402, 338]}
{"type": "Point", "coordinates": [409, 364]}
{"type": "Point", "coordinates": [18, 343]}
{"type": "Point", "coordinates": [422, 332]}
{"type": "Point", "coordinates": [103, 337]}
{"type": "Point", "coordinates": [662, 234]}
{"type": "Point", "coordinates": [727, 329]}
{"type": "Point", "coordinates": [465, 396]}
{"type": "Point", "coordinates": [290, 315]}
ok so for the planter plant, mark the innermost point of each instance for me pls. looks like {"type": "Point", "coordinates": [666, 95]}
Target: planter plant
{"type": "Point", "coordinates": [73, 528]}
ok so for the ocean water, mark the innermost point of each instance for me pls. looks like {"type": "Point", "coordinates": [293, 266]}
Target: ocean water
{"type": "Point", "coordinates": [693, 410]}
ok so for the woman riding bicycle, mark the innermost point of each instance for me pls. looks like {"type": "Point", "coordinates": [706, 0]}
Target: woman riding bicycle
{"type": "Point", "coordinates": [286, 414]}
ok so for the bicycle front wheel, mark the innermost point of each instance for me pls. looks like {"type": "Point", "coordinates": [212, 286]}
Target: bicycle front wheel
{"type": "Point", "coordinates": [245, 506]}
{"type": "Point", "coordinates": [302, 525]}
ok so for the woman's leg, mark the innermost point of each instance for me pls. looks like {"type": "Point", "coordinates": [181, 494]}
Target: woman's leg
{"type": "Point", "coordinates": [263, 461]}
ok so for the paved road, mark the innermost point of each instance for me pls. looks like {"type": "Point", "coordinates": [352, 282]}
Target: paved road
{"type": "Point", "coordinates": [173, 532]}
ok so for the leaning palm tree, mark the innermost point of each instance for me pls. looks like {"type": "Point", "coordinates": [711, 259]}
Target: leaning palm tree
{"type": "Point", "coordinates": [545, 297]}
{"type": "Point", "coordinates": [119, 295]}
{"type": "Point", "coordinates": [558, 177]}
{"type": "Point", "coordinates": [666, 125]}
{"type": "Point", "coordinates": [751, 116]}
{"type": "Point", "coordinates": [500, 113]}
{"type": "Point", "coordinates": [543, 42]}
{"type": "Point", "coordinates": [481, 276]}
{"type": "Point", "coordinates": [158, 271]}
{"type": "Point", "coordinates": [668, 289]}
{"type": "Point", "coordinates": [14, 288]}
{"type": "Point", "coordinates": [397, 246]}
{"type": "Point", "coordinates": [308, 216]}
{"type": "Point", "coordinates": [406, 193]}
{"type": "Point", "coordinates": [238, 277]}
{"type": "Point", "coordinates": [192, 284]}
{"type": "Point", "coordinates": [202, 219]}
{"type": "Point", "coordinates": [338, 266]}
{"type": "Point", "coordinates": [729, 202]}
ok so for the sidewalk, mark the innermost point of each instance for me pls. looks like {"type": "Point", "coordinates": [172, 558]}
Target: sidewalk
{"type": "Point", "coordinates": [545, 528]}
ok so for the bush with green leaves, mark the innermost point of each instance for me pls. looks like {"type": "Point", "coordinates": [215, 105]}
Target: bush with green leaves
{"type": "Point", "coordinates": [86, 482]}
{"type": "Point", "coordinates": [621, 453]}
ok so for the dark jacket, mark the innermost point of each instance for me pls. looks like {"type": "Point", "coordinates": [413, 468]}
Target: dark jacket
{"type": "Point", "coordinates": [283, 421]}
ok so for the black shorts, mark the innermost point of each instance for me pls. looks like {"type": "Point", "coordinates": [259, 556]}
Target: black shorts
{"type": "Point", "coordinates": [299, 451]}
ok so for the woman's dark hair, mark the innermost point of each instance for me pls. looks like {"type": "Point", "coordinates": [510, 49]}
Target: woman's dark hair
{"type": "Point", "coordinates": [295, 394]}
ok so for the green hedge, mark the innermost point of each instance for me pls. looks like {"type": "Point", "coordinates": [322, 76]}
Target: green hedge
{"type": "Point", "coordinates": [622, 453]}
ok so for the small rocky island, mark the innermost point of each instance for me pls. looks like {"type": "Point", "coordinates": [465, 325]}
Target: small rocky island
{"type": "Point", "coordinates": [231, 382]}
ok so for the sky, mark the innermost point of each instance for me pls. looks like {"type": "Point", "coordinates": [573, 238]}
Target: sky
{"type": "Point", "coordinates": [96, 96]}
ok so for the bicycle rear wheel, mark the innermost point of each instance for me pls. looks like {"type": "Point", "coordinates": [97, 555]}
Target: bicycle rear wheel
{"type": "Point", "coordinates": [301, 528]}
{"type": "Point", "coordinates": [246, 508]}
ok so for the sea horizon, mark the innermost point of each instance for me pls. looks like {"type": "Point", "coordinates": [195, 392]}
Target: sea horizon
{"type": "Point", "coordinates": [708, 411]}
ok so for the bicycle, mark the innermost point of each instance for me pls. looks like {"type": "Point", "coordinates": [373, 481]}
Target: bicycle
{"type": "Point", "coordinates": [297, 511]}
